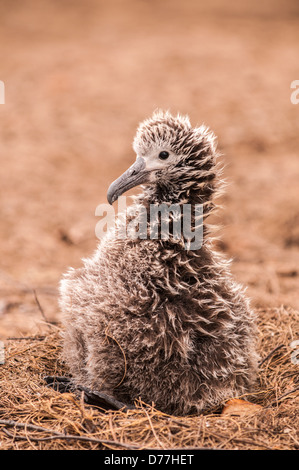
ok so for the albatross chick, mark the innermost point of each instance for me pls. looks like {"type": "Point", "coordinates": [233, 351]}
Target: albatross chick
{"type": "Point", "coordinates": [151, 317]}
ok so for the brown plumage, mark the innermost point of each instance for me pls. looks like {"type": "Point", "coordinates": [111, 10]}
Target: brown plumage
{"type": "Point", "coordinates": [151, 318]}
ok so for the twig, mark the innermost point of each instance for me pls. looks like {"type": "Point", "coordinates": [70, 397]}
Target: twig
{"type": "Point", "coordinates": [240, 440]}
{"type": "Point", "coordinates": [21, 286]}
{"type": "Point", "coordinates": [275, 402]}
{"type": "Point", "coordinates": [33, 427]}
{"type": "Point", "coordinates": [85, 438]}
{"type": "Point", "coordinates": [287, 393]}
{"type": "Point", "coordinates": [291, 374]}
{"type": "Point", "coordinates": [40, 307]}
{"type": "Point", "coordinates": [70, 437]}
{"type": "Point", "coordinates": [30, 338]}
{"type": "Point", "coordinates": [153, 429]}
{"type": "Point", "coordinates": [58, 435]}
{"type": "Point", "coordinates": [270, 354]}
{"type": "Point", "coordinates": [251, 442]}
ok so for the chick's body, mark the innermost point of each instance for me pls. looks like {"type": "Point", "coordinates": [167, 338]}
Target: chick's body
{"type": "Point", "coordinates": [151, 319]}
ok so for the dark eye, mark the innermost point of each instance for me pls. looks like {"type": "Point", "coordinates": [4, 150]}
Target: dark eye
{"type": "Point", "coordinates": [163, 155]}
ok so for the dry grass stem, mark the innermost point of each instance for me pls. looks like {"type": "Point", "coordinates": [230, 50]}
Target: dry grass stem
{"type": "Point", "coordinates": [33, 416]}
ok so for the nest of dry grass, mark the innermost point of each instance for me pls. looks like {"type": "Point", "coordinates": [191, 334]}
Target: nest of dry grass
{"type": "Point", "coordinates": [33, 416]}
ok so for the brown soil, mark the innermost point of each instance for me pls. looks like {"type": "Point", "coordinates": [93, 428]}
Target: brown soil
{"type": "Point", "coordinates": [79, 77]}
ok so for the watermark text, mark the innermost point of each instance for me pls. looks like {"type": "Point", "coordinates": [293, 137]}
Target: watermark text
{"type": "Point", "coordinates": [2, 93]}
{"type": "Point", "coordinates": [158, 221]}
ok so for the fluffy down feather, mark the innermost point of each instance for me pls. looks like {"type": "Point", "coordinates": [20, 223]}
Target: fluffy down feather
{"type": "Point", "coordinates": [148, 318]}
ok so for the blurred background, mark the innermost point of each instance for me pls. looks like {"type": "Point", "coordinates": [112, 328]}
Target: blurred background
{"type": "Point", "coordinates": [80, 75]}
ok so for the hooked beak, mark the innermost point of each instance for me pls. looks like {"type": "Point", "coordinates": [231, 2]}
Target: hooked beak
{"type": "Point", "coordinates": [133, 176]}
